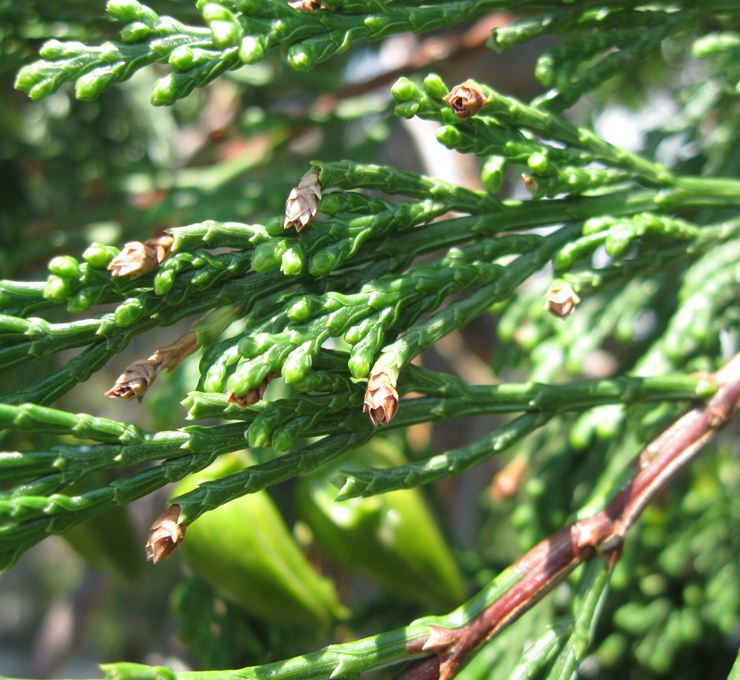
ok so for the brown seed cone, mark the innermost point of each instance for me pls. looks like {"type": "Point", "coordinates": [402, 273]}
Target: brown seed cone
{"type": "Point", "coordinates": [253, 395]}
{"type": "Point", "coordinates": [165, 535]}
{"type": "Point", "coordinates": [561, 301]}
{"type": "Point", "coordinates": [134, 381]}
{"type": "Point", "coordinates": [466, 99]}
{"type": "Point", "coordinates": [303, 202]}
{"type": "Point", "coordinates": [138, 258]}
{"type": "Point", "coordinates": [381, 399]}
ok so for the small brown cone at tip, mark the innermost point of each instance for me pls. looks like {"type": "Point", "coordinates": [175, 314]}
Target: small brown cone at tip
{"type": "Point", "coordinates": [134, 382]}
{"type": "Point", "coordinates": [466, 99]}
{"type": "Point", "coordinates": [561, 301]}
{"type": "Point", "coordinates": [165, 535]}
{"type": "Point", "coordinates": [381, 399]}
{"type": "Point", "coordinates": [303, 202]}
{"type": "Point", "coordinates": [138, 258]}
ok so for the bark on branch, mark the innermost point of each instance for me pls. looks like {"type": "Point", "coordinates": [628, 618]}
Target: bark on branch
{"type": "Point", "coordinates": [552, 560]}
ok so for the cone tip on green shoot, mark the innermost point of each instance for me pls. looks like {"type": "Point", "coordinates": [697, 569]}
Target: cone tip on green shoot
{"type": "Point", "coordinates": [251, 50]}
{"type": "Point", "coordinates": [381, 399]}
{"type": "Point", "coordinates": [137, 258]}
{"type": "Point", "coordinates": [165, 535]}
{"type": "Point", "coordinates": [466, 99]}
{"type": "Point", "coordinates": [303, 202]}
{"type": "Point", "coordinates": [561, 300]}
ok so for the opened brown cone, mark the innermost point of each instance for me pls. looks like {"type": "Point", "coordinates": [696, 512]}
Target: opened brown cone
{"type": "Point", "coordinates": [165, 535]}
{"type": "Point", "coordinates": [561, 301]}
{"type": "Point", "coordinates": [466, 99]}
{"type": "Point", "coordinates": [303, 202]}
{"type": "Point", "coordinates": [134, 382]}
{"type": "Point", "coordinates": [381, 399]}
{"type": "Point", "coordinates": [137, 259]}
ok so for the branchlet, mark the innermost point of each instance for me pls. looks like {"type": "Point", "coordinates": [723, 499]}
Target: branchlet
{"type": "Point", "coordinates": [134, 382]}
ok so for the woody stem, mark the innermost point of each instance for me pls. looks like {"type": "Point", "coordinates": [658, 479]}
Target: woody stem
{"type": "Point", "coordinates": [552, 560]}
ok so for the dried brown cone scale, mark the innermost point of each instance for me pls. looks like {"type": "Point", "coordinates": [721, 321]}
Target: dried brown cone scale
{"type": "Point", "coordinates": [381, 399]}
{"type": "Point", "coordinates": [561, 301]}
{"type": "Point", "coordinates": [137, 259]}
{"type": "Point", "coordinates": [165, 535]}
{"type": "Point", "coordinates": [303, 202]}
{"type": "Point", "coordinates": [466, 99]}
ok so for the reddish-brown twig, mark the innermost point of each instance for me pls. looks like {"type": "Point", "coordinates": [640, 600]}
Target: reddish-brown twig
{"type": "Point", "coordinates": [550, 562]}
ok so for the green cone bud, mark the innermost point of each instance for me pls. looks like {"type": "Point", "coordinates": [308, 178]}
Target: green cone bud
{"type": "Point", "coordinates": [435, 87]}
{"type": "Point", "coordinates": [324, 262]}
{"type": "Point", "coordinates": [406, 109]}
{"type": "Point", "coordinates": [259, 433]}
{"type": "Point", "coordinates": [56, 289]}
{"type": "Point", "coordinates": [40, 90]}
{"type": "Point", "coordinates": [247, 376]}
{"type": "Point", "coordinates": [164, 92]}
{"type": "Point", "coordinates": [299, 363]}
{"type": "Point", "coordinates": [226, 33]}
{"type": "Point", "coordinates": [616, 244]}
{"type": "Point", "coordinates": [182, 58]}
{"type": "Point", "coordinates": [538, 163]}
{"type": "Point", "coordinates": [52, 50]}
{"type": "Point", "coordinates": [304, 307]}
{"type": "Point", "coordinates": [293, 261]}
{"type": "Point", "coordinates": [492, 173]}
{"type": "Point", "coordinates": [246, 552]}
{"type": "Point", "coordinates": [283, 438]}
{"type": "Point", "coordinates": [135, 32]}
{"type": "Point", "coordinates": [251, 50]}
{"type": "Point", "coordinates": [27, 77]}
{"type": "Point", "coordinates": [269, 255]}
{"type": "Point", "coordinates": [80, 302]}
{"type": "Point", "coordinates": [360, 363]}
{"type": "Point", "coordinates": [123, 10]}
{"type": "Point", "coordinates": [164, 280]}
{"type": "Point", "coordinates": [449, 135]}
{"type": "Point", "coordinates": [403, 90]}
{"type": "Point", "coordinates": [129, 312]}
{"type": "Point", "coordinates": [65, 266]}
{"type": "Point", "coordinates": [252, 345]}
{"type": "Point", "coordinates": [98, 255]}
{"type": "Point", "coordinates": [90, 86]}
{"type": "Point", "coordinates": [332, 204]}
{"type": "Point", "coordinates": [300, 58]}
